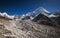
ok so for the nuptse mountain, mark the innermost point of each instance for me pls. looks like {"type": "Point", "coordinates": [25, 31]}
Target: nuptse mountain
{"type": "Point", "coordinates": [37, 24]}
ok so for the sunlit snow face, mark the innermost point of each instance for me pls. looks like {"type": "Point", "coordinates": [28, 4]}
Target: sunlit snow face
{"type": "Point", "coordinates": [4, 14]}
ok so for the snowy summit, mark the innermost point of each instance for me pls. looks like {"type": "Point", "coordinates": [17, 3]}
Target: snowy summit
{"type": "Point", "coordinates": [4, 14]}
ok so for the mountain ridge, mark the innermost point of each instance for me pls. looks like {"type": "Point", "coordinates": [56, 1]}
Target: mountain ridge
{"type": "Point", "coordinates": [29, 26]}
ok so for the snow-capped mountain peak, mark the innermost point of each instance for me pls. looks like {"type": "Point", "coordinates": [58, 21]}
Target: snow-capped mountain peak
{"type": "Point", "coordinates": [44, 10]}
{"type": "Point", "coordinates": [4, 14]}
{"type": "Point", "coordinates": [36, 12]}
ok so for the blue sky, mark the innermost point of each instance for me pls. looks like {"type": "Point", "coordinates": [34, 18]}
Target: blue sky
{"type": "Point", "coordinates": [19, 7]}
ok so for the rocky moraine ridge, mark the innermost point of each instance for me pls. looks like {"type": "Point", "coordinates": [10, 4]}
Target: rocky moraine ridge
{"type": "Point", "coordinates": [37, 24]}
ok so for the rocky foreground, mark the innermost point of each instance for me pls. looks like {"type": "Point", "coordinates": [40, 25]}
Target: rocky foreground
{"type": "Point", "coordinates": [38, 24]}
{"type": "Point", "coordinates": [27, 29]}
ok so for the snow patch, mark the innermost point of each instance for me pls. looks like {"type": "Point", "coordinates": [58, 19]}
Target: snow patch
{"type": "Point", "coordinates": [52, 15]}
